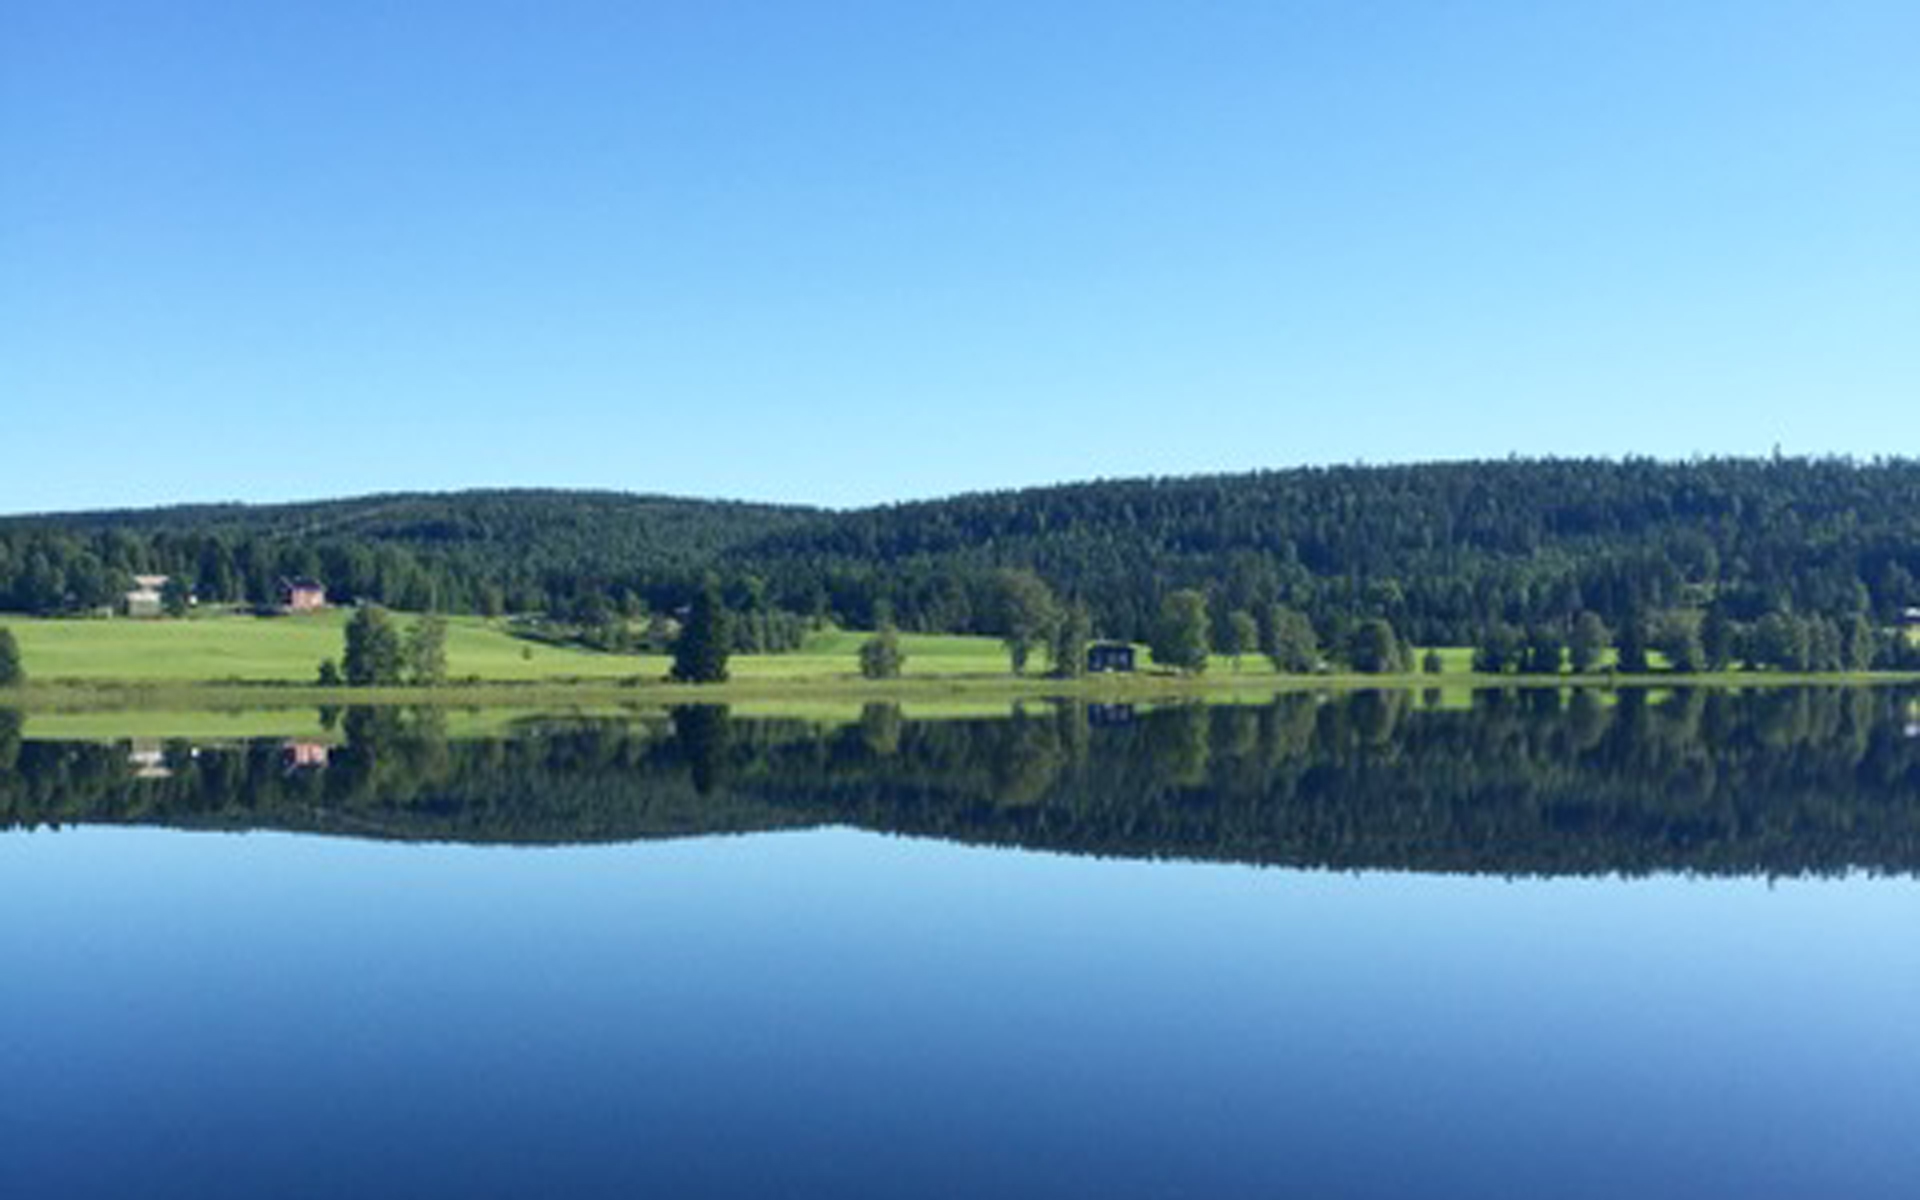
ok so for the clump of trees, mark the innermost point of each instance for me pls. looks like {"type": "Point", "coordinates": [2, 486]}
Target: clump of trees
{"type": "Point", "coordinates": [1376, 649]}
{"type": "Point", "coordinates": [378, 654]}
{"type": "Point", "coordinates": [1692, 640]}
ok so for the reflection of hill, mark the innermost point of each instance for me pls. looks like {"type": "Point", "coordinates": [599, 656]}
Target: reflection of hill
{"type": "Point", "coordinates": [1776, 783]}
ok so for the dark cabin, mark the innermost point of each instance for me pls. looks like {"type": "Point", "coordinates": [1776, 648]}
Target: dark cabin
{"type": "Point", "coordinates": [1107, 657]}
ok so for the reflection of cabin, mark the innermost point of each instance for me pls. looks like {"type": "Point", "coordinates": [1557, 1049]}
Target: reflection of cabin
{"type": "Point", "coordinates": [148, 760]}
{"type": "Point", "coordinates": [145, 599]}
{"type": "Point", "coordinates": [297, 754]}
{"type": "Point", "coordinates": [302, 595]}
{"type": "Point", "coordinates": [1108, 715]}
{"type": "Point", "coordinates": [1104, 657]}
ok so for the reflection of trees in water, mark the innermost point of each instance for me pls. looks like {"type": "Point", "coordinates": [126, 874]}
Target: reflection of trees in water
{"type": "Point", "coordinates": [10, 726]}
{"type": "Point", "coordinates": [702, 731]}
{"type": "Point", "coordinates": [1779, 781]}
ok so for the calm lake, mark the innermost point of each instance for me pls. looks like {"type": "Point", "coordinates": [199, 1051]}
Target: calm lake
{"type": "Point", "coordinates": [1530, 944]}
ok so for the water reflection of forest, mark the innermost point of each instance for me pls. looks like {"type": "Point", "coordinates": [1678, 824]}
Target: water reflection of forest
{"type": "Point", "coordinates": [1778, 782]}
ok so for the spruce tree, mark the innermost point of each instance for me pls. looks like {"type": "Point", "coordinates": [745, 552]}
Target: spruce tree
{"type": "Point", "coordinates": [700, 653]}
{"type": "Point", "coordinates": [1631, 645]}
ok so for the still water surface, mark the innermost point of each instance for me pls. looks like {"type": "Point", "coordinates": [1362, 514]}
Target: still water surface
{"type": "Point", "coordinates": [1570, 948]}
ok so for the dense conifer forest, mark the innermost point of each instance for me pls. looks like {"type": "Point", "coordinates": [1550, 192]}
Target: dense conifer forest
{"type": "Point", "coordinates": [1448, 553]}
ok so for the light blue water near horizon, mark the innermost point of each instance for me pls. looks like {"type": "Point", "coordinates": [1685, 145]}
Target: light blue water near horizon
{"type": "Point", "coordinates": [834, 1012]}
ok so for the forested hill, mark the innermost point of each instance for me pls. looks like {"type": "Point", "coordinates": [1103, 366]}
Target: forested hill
{"type": "Point", "coordinates": [464, 551]}
{"type": "Point", "coordinates": [1438, 549]}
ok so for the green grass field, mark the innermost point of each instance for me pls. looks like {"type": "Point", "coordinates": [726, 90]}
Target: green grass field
{"type": "Point", "coordinates": [289, 650]}
{"type": "Point", "coordinates": [269, 649]}
{"type": "Point", "coordinates": [227, 661]}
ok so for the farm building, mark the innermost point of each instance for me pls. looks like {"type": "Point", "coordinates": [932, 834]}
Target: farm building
{"type": "Point", "coordinates": [1106, 657]}
{"type": "Point", "coordinates": [302, 595]}
{"type": "Point", "coordinates": [145, 599]}
{"type": "Point", "coordinates": [1911, 618]}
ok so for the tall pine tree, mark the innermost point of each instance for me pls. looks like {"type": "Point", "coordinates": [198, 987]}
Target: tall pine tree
{"type": "Point", "coordinates": [700, 653]}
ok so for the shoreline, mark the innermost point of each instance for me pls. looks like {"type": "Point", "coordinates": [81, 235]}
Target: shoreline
{"type": "Point", "coordinates": [103, 695]}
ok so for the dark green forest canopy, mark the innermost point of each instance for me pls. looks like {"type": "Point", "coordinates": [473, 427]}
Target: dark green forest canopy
{"type": "Point", "coordinates": [1439, 549]}
{"type": "Point", "coordinates": [1782, 781]}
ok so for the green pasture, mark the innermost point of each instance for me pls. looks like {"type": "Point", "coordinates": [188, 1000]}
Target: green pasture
{"type": "Point", "coordinates": [273, 650]}
{"type": "Point", "coordinates": [231, 660]}
{"type": "Point", "coordinates": [289, 650]}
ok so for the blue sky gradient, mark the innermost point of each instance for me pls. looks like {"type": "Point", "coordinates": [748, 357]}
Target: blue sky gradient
{"type": "Point", "coordinates": [847, 253]}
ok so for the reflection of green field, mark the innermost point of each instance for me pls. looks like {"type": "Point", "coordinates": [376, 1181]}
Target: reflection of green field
{"type": "Point", "coordinates": [210, 726]}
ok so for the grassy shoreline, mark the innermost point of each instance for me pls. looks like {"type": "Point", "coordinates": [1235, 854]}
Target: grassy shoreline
{"type": "Point", "coordinates": [220, 662]}
{"type": "Point", "coordinates": [99, 694]}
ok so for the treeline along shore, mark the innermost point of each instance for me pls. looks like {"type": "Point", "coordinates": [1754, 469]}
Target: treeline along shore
{"type": "Point", "coordinates": [1784, 564]}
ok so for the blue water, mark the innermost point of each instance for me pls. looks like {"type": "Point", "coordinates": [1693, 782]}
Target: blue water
{"type": "Point", "coordinates": [840, 1013]}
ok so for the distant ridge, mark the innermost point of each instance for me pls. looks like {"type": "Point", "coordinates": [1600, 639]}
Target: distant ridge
{"type": "Point", "coordinates": [1439, 549]}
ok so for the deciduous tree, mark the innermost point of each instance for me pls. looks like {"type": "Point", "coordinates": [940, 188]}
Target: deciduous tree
{"type": "Point", "coordinates": [1180, 635]}
{"type": "Point", "coordinates": [1071, 634]}
{"type": "Point", "coordinates": [880, 655]}
{"type": "Point", "coordinates": [1290, 642]}
{"type": "Point", "coordinates": [1027, 614]}
{"type": "Point", "coordinates": [1242, 636]}
{"type": "Point", "coordinates": [373, 656]}
{"type": "Point", "coordinates": [427, 651]}
{"type": "Point", "coordinates": [11, 670]}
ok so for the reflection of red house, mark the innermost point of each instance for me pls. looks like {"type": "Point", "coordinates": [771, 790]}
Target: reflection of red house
{"type": "Point", "coordinates": [305, 754]}
{"type": "Point", "coordinates": [302, 595]}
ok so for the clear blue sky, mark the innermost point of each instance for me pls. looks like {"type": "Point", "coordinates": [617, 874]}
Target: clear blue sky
{"type": "Point", "coordinates": [854, 252]}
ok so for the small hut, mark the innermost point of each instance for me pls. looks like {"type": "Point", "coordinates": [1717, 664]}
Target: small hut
{"type": "Point", "coordinates": [1108, 657]}
{"type": "Point", "coordinates": [145, 600]}
{"type": "Point", "coordinates": [302, 595]}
